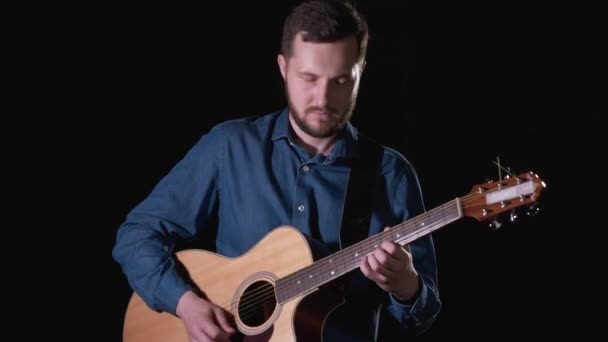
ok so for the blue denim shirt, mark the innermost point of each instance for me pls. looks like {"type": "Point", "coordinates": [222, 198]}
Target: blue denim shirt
{"type": "Point", "coordinates": [252, 176]}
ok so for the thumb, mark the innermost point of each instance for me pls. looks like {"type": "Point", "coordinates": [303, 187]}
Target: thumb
{"type": "Point", "coordinates": [223, 321]}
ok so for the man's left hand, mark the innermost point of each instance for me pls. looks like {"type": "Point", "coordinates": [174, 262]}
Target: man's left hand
{"type": "Point", "coordinates": [391, 267]}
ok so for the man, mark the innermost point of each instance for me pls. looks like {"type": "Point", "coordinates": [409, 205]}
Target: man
{"type": "Point", "coordinates": [290, 167]}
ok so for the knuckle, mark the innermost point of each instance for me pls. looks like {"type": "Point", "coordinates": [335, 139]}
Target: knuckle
{"type": "Point", "coordinates": [214, 334]}
{"type": "Point", "coordinates": [388, 246]}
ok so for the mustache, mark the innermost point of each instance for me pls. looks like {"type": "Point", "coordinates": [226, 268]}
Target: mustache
{"type": "Point", "coordinates": [329, 110]}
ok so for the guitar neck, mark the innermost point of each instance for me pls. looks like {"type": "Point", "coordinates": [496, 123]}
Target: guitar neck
{"type": "Point", "coordinates": [348, 259]}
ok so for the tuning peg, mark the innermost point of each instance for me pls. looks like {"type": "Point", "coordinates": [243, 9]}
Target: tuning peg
{"type": "Point", "coordinates": [533, 210]}
{"type": "Point", "coordinates": [513, 216]}
{"type": "Point", "coordinates": [495, 224]}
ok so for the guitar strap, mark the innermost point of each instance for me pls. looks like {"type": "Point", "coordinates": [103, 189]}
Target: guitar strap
{"type": "Point", "coordinates": [357, 211]}
{"type": "Point", "coordinates": [358, 202]}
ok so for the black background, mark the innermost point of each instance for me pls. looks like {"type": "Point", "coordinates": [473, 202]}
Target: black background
{"type": "Point", "coordinates": [119, 96]}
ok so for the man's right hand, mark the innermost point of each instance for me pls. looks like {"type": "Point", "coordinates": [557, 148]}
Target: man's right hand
{"type": "Point", "coordinates": [204, 321]}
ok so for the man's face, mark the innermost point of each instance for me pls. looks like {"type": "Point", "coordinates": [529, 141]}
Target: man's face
{"type": "Point", "coordinates": [321, 83]}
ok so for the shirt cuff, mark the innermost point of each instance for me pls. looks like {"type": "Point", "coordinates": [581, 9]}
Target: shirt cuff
{"type": "Point", "coordinates": [169, 291]}
{"type": "Point", "coordinates": [409, 309]}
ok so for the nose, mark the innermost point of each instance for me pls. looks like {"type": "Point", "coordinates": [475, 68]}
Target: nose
{"type": "Point", "coordinates": [322, 93]}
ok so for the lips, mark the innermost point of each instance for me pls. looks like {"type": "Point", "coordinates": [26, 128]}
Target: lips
{"type": "Point", "coordinates": [320, 111]}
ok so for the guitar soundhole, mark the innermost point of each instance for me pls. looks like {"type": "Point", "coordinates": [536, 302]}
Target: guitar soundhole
{"type": "Point", "coordinates": [257, 303]}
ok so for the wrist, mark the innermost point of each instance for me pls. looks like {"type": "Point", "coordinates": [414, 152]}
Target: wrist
{"type": "Point", "coordinates": [183, 301]}
{"type": "Point", "coordinates": [410, 295]}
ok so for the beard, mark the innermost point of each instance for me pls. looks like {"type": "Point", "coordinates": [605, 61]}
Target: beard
{"type": "Point", "coordinates": [329, 128]}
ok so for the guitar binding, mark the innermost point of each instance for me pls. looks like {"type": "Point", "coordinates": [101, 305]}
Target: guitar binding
{"type": "Point", "coordinates": [254, 304]}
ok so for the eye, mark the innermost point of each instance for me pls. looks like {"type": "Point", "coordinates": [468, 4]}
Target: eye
{"type": "Point", "coordinates": [342, 80]}
{"type": "Point", "coordinates": [308, 77]}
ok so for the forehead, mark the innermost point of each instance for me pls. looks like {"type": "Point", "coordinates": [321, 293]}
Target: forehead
{"type": "Point", "coordinates": [338, 56]}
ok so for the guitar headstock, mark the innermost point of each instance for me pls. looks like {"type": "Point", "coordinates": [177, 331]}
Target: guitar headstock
{"type": "Point", "coordinates": [488, 200]}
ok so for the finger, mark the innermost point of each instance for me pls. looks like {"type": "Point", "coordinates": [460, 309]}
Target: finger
{"type": "Point", "coordinates": [197, 334]}
{"type": "Point", "coordinates": [213, 332]}
{"type": "Point", "coordinates": [387, 259]}
{"type": "Point", "coordinates": [200, 336]}
{"type": "Point", "coordinates": [220, 315]}
{"type": "Point", "coordinates": [406, 253]}
{"type": "Point", "coordinates": [392, 249]}
{"type": "Point", "coordinates": [366, 269]}
{"type": "Point", "coordinates": [206, 338]}
{"type": "Point", "coordinates": [381, 274]}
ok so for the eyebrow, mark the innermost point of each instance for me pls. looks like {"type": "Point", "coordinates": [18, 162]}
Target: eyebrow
{"type": "Point", "coordinates": [307, 73]}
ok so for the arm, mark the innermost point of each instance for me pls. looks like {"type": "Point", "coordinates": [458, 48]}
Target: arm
{"type": "Point", "coordinates": [407, 274]}
{"type": "Point", "coordinates": [178, 207]}
{"type": "Point", "coordinates": [420, 310]}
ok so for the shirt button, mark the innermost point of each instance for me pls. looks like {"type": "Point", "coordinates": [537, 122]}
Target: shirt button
{"type": "Point", "coordinates": [305, 168]}
{"type": "Point", "coordinates": [301, 207]}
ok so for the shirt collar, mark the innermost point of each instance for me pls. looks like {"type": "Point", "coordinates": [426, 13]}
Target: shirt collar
{"type": "Point", "coordinates": [281, 127]}
{"type": "Point", "coordinates": [346, 145]}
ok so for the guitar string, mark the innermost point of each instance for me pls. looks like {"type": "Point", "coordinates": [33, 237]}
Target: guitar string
{"type": "Point", "coordinates": [381, 236]}
{"type": "Point", "coordinates": [266, 294]}
{"type": "Point", "coordinates": [247, 310]}
{"type": "Point", "coordinates": [465, 199]}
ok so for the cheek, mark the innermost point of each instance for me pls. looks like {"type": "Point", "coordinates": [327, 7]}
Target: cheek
{"type": "Point", "coordinates": [343, 95]}
{"type": "Point", "coordinates": [300, 92]}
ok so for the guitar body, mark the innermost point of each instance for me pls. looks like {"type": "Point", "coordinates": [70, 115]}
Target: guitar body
{"type": "Point", "coordinates": [234, 283]}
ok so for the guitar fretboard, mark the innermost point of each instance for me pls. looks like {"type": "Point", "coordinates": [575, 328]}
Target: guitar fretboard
{"type": "Point", "coordinates": [346, 260]}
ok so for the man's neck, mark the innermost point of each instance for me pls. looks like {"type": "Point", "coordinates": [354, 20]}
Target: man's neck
{"type": "Point", "coordinates": [312, 145]}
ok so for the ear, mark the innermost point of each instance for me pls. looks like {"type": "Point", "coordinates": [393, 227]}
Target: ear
{"type": "Point", "coordinates": [282, 64]}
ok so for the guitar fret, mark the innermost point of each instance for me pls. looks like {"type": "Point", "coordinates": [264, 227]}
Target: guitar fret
{"type": "Point", "coordinates": [349, 258]}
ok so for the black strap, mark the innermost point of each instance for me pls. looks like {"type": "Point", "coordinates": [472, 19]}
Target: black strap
{"type": "Point", "coordinates": [358, 202]}
{"type": "Point", "coordinates": [356, 218]}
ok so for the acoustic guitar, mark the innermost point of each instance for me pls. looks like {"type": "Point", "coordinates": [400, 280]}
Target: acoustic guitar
{"type": "Point", "coordinates": [278, 291]}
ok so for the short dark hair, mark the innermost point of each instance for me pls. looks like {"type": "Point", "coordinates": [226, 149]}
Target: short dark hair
{"type": "Point", "coordinates": [325, 21]}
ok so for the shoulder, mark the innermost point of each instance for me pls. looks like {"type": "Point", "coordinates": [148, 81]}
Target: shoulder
{"type": "Point", "coordinates": [395, 160]}
{"type": "Point", "coordinates": [254, 124]}
{"type": "Point", "coordinates": [394, 163]}
{"type": "Point", "coordinates": [243, 131]}
{"type": "Point", "coordinates": [401, 176]}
